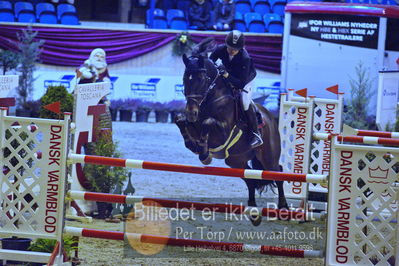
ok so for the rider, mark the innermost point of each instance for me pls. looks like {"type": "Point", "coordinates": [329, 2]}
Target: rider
{"type": "Point", "coordinates": [240, 72]}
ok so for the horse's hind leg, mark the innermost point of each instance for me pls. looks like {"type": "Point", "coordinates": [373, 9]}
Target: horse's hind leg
{"type": "Point", "coordinates": [251, 185]}
{"type": "Point", "coordinates": [282, 201]}
{"type": "Point", "coordinates": [257, 164]}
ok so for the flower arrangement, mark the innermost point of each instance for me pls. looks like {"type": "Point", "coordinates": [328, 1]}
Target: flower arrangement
{"type": "Point", "coordinates": [182, 44]}
{"type": "Point", "coordinates": [144, 106]}
{"type": "Point", "coordinates": [130, 104]}
{"type": "Point", "coordinates": [158, 106]}
{"type": "Point", "coordinates": [176, 105]}
{"type": "Point", "coordinates": [116, 104]}
{"type": "Point", "coordinates": [161, 111]}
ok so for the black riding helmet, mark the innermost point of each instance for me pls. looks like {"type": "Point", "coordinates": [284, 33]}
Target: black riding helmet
{"type": "Point", "coordinates": [235, 40]}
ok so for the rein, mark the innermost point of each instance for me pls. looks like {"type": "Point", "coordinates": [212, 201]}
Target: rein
{"type": "Point", "coordinates": [195, 97]}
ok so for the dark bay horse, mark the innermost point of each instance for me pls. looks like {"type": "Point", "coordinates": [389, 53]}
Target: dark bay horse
{"type": "Point", "coordinates": [211, 126]}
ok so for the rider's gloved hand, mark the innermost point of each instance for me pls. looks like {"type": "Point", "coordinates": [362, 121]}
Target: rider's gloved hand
{"type": "Point", "coordinates": [221, 69]}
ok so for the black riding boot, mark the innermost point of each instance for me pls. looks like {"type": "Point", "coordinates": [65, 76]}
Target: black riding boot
{"type": "Point", "coordinates": [256, 139]}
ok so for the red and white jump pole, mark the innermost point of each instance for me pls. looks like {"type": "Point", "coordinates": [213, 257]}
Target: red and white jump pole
{"type": "Point", "coordinates": [349, 131]}
{"type": "Point", "coordinates": [381, 134]}
{"type": "Point", "coordinates": [219, 171]}
{"type": "Point", "coordinates": [171, 241]}
{"type": "Point", "coordinates": [359, 139]}
{"type": "Point", "coordinates": [200, 206]}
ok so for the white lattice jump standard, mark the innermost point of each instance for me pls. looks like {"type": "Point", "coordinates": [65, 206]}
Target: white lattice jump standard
{"type": "Point", "coordinates": [300, 119]}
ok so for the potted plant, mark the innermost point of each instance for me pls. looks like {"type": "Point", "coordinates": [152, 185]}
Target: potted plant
{"type": "Point", "coordinates": [161, 112]}
{"type": "Point", "coordinates": [143, 111]}
{"type": "Point", "coordinates": [128, 106]}
{"type": "Point", "coordinates": [70, 243]}
{"type": "Point", "coordinates": [175, 107]}
{"type": "Point", "coordinates": [15, 243]}
{"type": "Point", "coordinates": [29, 55]}
{"type": "Point", "coordinates": [105, 178]}
{"type": "Point", "coordinates": [55, 94]}
{"type": "Point", "coordinates": [114, 108]}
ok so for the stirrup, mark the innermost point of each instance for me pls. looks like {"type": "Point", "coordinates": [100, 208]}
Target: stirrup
{"type": "Point", "coordinates": [256, 141]}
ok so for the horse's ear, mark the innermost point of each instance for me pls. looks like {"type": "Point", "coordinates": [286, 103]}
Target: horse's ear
{"type": "Point", "coordinates": [185, 59]}
{"type": "Point", "coordinates": [201, 62]}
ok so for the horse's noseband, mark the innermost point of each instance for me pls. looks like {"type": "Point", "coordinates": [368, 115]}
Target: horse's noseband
{"type": "Point", "coordinates": [197, 98]}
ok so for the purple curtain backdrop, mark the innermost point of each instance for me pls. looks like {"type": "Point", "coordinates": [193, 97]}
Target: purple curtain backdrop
{"type": "Point", "coordinates": [265, 50]}
{"type": "Point", "coordinates": [71, 46]}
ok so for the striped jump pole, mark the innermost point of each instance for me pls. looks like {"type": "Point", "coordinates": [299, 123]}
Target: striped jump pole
{"type": "Point", "coordinates": [215, 245]}
{"type": "Point", "coordinates": [381, 134]}
{"type": "Point", "coordinates": [349, 131]}
{"type": "Point", "coordinates": [200, 206]}
{"type": "Point", "coordinates": [359, 139]}
{"type": "Point", "coordinates": [180, 168]}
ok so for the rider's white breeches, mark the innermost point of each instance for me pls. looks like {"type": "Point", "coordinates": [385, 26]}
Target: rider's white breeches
{"type": "Point", "coordinates": [246, 95]}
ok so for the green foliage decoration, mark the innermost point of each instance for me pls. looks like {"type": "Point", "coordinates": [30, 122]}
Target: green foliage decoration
{"type": "Point", "coordinates": [361, 93]}
{"type": "Point", "coordinates": [30, 50]}
{"type": "Point", "coordinates": [55, 94]}
{"type": "Point", "coordinates": [8, 60]}
{"type": "Point", "coordinates": [47, 245]}
{"type": "Point", "coordinates": [101, 177]}
{"type": "Point", "coordinates": [182, 44]}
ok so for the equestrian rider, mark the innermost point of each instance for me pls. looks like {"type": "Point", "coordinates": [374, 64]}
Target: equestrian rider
{"type": "Point", "coordinates": [240, 72]}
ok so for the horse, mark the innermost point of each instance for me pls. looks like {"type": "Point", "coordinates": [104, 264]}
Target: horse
{"type": "Point", "coordinates": [211, 128]}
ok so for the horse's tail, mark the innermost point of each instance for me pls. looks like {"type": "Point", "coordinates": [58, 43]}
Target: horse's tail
{"type": "Point", "coordinates": [265, 184]}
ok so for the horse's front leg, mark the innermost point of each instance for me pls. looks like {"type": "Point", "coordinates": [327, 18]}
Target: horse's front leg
{"type": "Point", "coordinates": [185, 128]}
{"type": "Point", "coordinates": [204, 155]}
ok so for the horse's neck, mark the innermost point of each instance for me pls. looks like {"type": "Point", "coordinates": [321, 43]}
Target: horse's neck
{"type": "Point", "coordinates": [218, 91]}
{"type": "Point", "coordinates": [211, 69]}
{"type": "Point", "coordinates": [223, 88]}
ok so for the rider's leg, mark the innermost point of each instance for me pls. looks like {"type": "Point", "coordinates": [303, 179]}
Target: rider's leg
{"type": "Point", "coordinates": [250, 113]}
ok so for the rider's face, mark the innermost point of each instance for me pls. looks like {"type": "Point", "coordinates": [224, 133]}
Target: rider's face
{"type": "Point", "coordinates": [232, 51]}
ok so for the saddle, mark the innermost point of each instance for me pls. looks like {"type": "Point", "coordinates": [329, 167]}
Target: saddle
{"type": "Point", "coordinates": [240, 115]}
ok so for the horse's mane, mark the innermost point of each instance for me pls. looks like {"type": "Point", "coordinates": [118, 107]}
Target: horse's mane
{"type": "Point", "coordinates": [199, 57]}
{"type": "Point", "coordinates": [203, 47]}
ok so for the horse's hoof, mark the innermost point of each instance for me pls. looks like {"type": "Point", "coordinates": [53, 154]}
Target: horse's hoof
{"type": "Point", "coordinates": [205, 158]}
{"type": "Point", "coordinates": [179, 119]}
{"type": "Point", "coordinates": [255, 220]}
{"type": "Point", "coordinates": [283, 206]}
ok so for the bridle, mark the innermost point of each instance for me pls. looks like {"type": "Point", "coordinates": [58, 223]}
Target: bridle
{"type": "Point", "coordinates": [198, 98]}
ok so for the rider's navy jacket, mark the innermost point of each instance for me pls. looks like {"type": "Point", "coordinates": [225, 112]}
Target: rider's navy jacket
{"type": "Point", "coordinates": [241, 68]}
